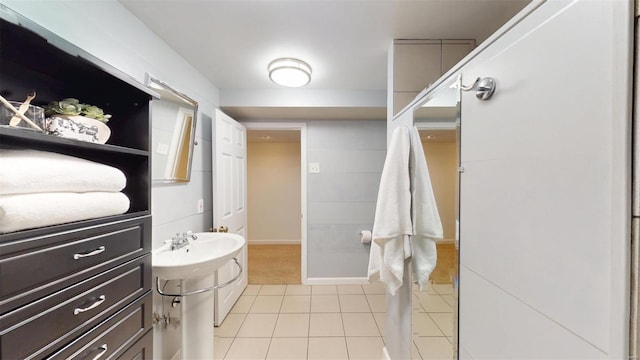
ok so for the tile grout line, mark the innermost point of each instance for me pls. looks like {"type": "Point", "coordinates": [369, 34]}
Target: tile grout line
{"type": "Point", "coordinates": [373, 317]}
{"type": "Point", "coordinates": [344, 332]}
{"type": "Point", "coordinates": [309, 327]}
{"type": "Point", "coordinates": [275, 325]}
{"type": "Point", "coordinates": [344, 328]}
{"type": "Point", "coordinates": [430, 317]}
{"type": "Point", "coordinates": [235, 334]}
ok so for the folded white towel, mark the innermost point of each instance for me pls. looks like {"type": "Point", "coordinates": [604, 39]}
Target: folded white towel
{"type": "Point", "coordinates": [392, 222]}
{"type": "Point", "coordinates": [25, 211]}
{"type": "Point", "coordinates": [31, 171]}
{"type": "Point", "coordinates": [427, 227]}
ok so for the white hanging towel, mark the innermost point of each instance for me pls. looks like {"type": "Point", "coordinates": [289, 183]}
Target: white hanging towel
{"type": "Point", "coordinates": [392, 224]}
{"type": "Point", "coordinates": [405, 194]}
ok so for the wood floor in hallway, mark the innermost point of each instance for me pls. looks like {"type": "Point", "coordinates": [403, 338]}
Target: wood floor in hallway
{"type": "Point", "coordinates": [274, 264]}
{"type": "Point", "coordinates": [446, 265]}
{"type": "Point", "coordinates": [280, 264]}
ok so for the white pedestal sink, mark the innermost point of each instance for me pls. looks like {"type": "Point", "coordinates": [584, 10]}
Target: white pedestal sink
{"type": "Point", "coordinates": [194, 266]}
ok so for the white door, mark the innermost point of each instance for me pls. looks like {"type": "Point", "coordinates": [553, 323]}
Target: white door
{"type": "Point", "coordinates": [230, 203]}
{"type": "Point", "coordinates": [545, 189]}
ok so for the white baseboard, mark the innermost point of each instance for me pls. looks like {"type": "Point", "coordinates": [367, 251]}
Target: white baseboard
{"type": "Point", "coordinates": [336, 281]}
{"type": "Point", "coordinates": [385, 353]}
{"type": "Point", "coordinates": [274, 242]}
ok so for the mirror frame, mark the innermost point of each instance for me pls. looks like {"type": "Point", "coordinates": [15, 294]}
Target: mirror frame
{"type": "Point", "coordinates": [153, 83]}
{"type": "Point", "coordinates": [428, 95]}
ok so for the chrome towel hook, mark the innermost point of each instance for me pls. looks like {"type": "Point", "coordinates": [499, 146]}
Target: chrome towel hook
{"type": "Point", "coordinates": [484, 88]}
{"type": "Point", "coordinates": [470, 87]}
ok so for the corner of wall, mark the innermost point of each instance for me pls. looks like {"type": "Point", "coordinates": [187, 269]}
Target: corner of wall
{"type": "Point", "coordinates": [390, 56]}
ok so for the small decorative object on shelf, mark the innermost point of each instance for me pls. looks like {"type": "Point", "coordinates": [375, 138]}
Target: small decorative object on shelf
{"type": "Point", "coordinates": [77, 127]}
{"type": "Point", "coordinates": [70, 119]}
{"type": "Point", "coordinates": [22, 115]}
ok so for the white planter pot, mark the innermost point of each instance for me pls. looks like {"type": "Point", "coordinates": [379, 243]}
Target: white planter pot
{"type": "Point", "coordinates": [78, 127]}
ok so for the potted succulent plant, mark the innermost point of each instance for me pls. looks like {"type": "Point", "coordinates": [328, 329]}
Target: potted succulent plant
{"type": "Point", "coordinates": [69, 118]}
{"type": "Point", "coordinates": [72, 106]}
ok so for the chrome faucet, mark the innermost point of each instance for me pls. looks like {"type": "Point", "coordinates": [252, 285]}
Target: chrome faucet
{"type": "Point", "coordinates": [181, 240]}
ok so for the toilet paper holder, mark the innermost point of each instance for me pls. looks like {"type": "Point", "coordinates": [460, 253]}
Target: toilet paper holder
{"type": "Point", "coordinates": [365, 236]}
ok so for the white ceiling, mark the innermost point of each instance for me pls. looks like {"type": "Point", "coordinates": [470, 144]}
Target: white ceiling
{"type": "Point", "coordinates": [306, 113]}
{"type": "Point", "coordinates": [345, 41]}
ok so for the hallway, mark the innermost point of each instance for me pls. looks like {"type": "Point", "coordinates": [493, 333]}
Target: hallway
{"type": "Point", "coordinates": [274, 264]}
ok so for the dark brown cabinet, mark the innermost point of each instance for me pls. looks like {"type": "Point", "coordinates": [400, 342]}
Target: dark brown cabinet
{"type": "Point", "coordinates": [81, 289]}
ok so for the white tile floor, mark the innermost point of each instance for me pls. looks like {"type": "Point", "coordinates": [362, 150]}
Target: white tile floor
{"type": "Point", "coordinates": [432, 322]}
{"type": "Point", "coordinates": [329, 322]}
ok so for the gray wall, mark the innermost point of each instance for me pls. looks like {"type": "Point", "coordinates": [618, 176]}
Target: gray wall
{"type": "Point", "coordinates": [341, 199]}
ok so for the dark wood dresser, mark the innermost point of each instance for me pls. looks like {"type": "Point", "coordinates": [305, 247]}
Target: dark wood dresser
{"type": "Point", "coordinates": [78, 290]}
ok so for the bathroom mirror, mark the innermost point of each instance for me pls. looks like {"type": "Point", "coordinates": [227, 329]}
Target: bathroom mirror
{"type": "Point", "coordinates": [435, 308]}
{"type": "Point", "coordinates": [173, 126]}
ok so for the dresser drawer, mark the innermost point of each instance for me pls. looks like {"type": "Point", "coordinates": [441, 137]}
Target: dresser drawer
{"type": "Point", "coordinates": [35, 267]}
{"type": "Point", "coordinates": [49, 323]}
{"type": "Point", "coordinates": [141, 350]}
{"type": "Point", "coordinates": [112, 337]}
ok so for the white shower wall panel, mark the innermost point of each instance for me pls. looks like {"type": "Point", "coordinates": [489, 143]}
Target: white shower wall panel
{"type": "Point", "coordinates": [537, 336]}
{"type": "Point", "coordinates": [544, 194]}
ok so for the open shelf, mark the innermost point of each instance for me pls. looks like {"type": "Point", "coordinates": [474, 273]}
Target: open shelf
{"type": "Point", "coordinates": [16, 136]}
{"type": "Point", "coordinates": [36, 59]}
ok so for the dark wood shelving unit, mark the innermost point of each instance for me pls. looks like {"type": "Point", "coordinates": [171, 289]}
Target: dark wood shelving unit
{"type": "Point", "coordinates": [41, 275]}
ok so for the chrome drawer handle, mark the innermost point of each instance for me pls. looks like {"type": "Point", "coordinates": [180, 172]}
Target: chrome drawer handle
{"type": "Point", "coordinates": [91, 253]}
{"type": "Point", "coordinates": [97, 303]}
{"type": "Point", "coordinates": [103, 350]}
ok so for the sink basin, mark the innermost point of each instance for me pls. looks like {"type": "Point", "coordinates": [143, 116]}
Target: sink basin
{"type": "Point", "coordinates": [198, 259]}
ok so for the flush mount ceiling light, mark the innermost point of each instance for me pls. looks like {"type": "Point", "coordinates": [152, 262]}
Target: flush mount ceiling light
{"type": "Point", "coordinates": [289, 72]}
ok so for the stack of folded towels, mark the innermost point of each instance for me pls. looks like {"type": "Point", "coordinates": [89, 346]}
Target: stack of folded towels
{"type": "Point", "coordinates": [39, 188]}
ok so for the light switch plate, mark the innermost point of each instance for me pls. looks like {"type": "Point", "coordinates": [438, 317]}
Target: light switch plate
{"type": "Point", "coordinates": [163, 149]}
{"type": "Point", "coordinates": [314, 168]}
{"type": "Point", "coordinates": [200, 206]}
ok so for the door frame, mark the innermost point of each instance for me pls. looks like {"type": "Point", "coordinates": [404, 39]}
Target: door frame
{"type": "Point", "coordinates": [302, 127]}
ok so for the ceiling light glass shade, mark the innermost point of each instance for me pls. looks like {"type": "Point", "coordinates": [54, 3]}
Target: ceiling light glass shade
{"type": "Point", "coordinates": [289, 72]}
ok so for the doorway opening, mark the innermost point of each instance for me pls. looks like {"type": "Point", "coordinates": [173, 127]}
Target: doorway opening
{"type": "Point", "coordinates": [441, 151]}
{"type": "Point", "coordinates": [276, 203]}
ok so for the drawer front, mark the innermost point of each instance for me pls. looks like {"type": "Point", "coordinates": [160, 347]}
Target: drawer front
{"type": "Point", "coordinates": [113, 336]}
{"type": "Point", "coordinates": [141, 350]}
{"type": "Point", "coordinates": [33, 268]}
{"type": "Point", "coordinates": [49, 323]}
